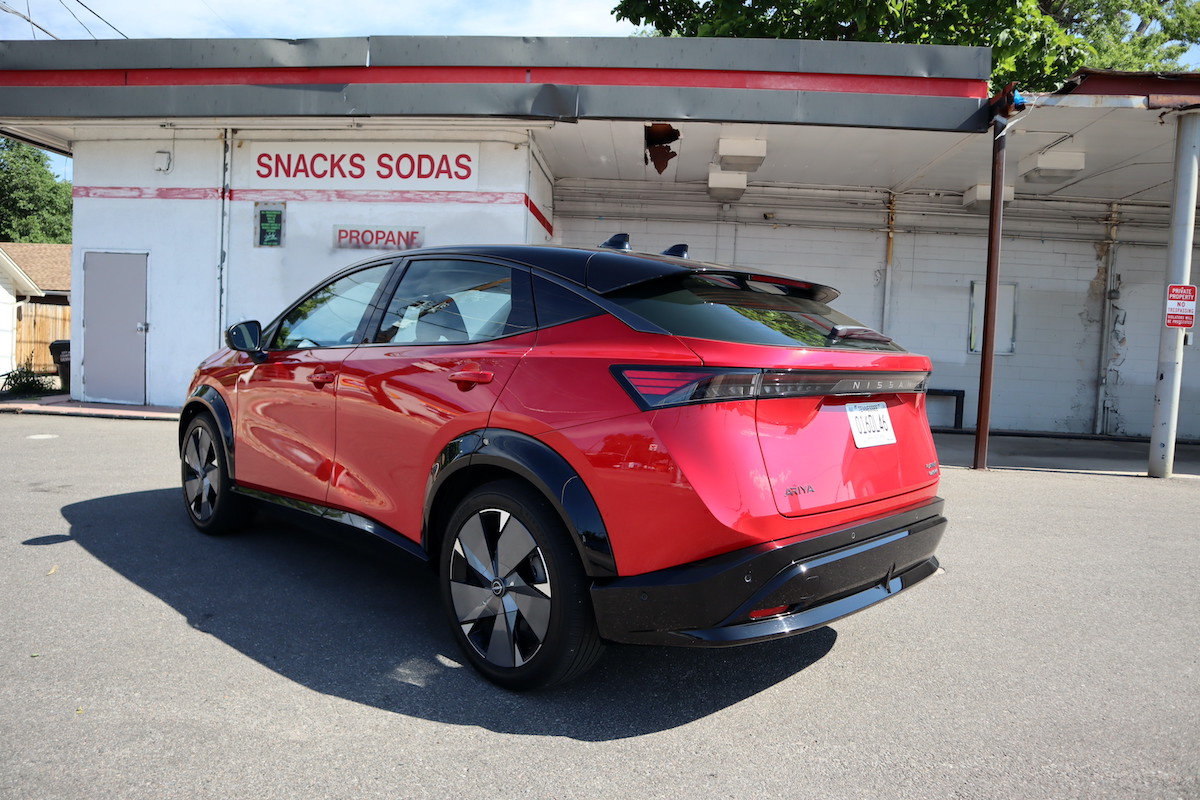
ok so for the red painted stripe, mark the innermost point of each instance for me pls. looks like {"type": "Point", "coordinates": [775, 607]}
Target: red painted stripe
{"type": "Point", "coordinates": [538, 215]}
{"type": "Point", "coordinates": [145, 193]}
{"type": "Point", "coordinates": [313, 195]}
{"type": "Point", "coordinates": [566, 76]}
{"type": "Point", "coordinates": [374, 196]}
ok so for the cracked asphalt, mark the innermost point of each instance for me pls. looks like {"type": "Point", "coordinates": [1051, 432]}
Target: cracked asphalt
{"type": "Point", "coordinates": [1056, 657]}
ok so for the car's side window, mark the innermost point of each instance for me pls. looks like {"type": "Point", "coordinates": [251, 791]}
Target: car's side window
{"type": "Point", "coordinates": [556, 304]}
{"type": "Point", "coordinates": [456, 300]}
{"type": "Point", "coordinates": [330, 316]}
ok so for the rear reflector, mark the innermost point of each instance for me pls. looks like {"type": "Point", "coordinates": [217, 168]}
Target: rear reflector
{"type": "Point", "coordinates": [659, 387]}
{"type": "Point", "coordinates": [760, 613]}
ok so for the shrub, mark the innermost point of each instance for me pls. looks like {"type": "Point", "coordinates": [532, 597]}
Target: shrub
{"type": "Point", "coordinates": [23, 381]}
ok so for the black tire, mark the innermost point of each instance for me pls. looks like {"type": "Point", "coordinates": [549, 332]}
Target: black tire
{"type": "Point", "coordinates": [208, 494]}
{"type": "Point", "coordinates": [515, 591]}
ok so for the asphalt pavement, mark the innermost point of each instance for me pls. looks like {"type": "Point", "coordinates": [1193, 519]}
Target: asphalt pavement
{"type": "Point", "coordinates": [1055, 657]}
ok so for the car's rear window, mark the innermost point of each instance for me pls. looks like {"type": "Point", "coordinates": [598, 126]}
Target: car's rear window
{"type": "Point", "coordinates": [748, 309]}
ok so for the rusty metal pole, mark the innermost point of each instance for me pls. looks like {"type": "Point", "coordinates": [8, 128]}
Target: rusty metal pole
{"type": "Point", "coordinates": [1004, 106]}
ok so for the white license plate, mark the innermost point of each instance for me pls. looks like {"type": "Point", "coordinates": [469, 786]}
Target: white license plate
{"type": "Point", "coordinates": [870, 424]}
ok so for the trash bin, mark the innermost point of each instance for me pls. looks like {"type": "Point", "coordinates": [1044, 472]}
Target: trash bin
{"type": "Point", "coordinates": [60, 352]}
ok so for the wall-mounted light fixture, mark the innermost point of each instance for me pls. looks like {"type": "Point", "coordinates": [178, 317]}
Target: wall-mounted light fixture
{"type": "Point", "coordinates": [979, 197]}
{"type": "Point", "coordinates": [1052, 167]}
{"type": "Point", "coordinates": [741, 155]}
{"type": "Point", "coordinates": [725, 186]}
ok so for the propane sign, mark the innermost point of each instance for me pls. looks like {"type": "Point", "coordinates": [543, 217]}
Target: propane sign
{"type": "Point", "coordinates": [377, 237]}
{"type": "Point", "coordinates": [1181, 306]}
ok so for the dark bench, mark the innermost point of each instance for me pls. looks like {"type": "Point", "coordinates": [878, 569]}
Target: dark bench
{"type": "Point", "coordinates": [960, 399]}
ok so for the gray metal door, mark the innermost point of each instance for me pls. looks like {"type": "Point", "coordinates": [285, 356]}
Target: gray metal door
{"type": "Point", "coordinates": [114, 327]}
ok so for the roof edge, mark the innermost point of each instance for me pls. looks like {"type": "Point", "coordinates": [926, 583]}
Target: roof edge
{"type": "Point", "coordinates": [741, 55]}
{"type": "Point", "coordinates": [24, 283]}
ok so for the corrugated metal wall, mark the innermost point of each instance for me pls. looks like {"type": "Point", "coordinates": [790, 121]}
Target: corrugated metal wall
{"type": "Point", "coordinates": [1056, 254]}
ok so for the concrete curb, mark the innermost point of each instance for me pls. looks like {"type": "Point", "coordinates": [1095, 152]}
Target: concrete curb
{"type": "Point", "coordinates": [64, 406]}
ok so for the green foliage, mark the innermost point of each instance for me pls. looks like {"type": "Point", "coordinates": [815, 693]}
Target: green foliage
{"type": "Point", "coordinates": [23, 381]}
{"type": "Point", "coordinates": [1037, 43]}
{"type": "Point", "coordinates": [34, 206]}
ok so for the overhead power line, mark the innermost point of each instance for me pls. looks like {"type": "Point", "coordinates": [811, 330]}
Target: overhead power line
{"type": "Point", "coordinates": [6, 7]}
{"type": "Point", "coordinates": [102, 19]}
{"type": "Point", "coordinates": [77, 19]}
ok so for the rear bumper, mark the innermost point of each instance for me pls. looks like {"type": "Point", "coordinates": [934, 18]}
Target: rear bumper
{"type": "Point", "coordinates": [820, 579]}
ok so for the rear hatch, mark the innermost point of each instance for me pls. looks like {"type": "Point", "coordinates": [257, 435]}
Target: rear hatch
{"type": "Point", "coordinates": [839, 408]}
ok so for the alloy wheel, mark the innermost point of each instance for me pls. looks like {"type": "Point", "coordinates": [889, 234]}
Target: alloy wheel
{"type": "Point", "coordinates": [202, 473]}
{"type": "Point", "coordinates": [500, 588]}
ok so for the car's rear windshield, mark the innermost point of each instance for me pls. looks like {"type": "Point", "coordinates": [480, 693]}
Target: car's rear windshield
{"type": "Point", "coordinates": [748, 309]}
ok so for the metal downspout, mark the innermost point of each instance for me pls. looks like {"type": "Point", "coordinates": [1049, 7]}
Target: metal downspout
{"type": "Point", "coordinates": [223, 251]}
{"type": "Point", "coordinates": [1169, 376]}
{"type": "Point", "coordinates": [1100, 417]}
{"type": "Point", "coordinates": [888, 257]}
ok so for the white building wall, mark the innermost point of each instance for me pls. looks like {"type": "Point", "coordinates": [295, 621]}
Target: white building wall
{"type": "Point", "coordinates": [177, 217]}
{"type": "Point", "coordinates": [1049, 383]}
{"type": "Point", "coordinates": [8, 324]}
{"type": "Point", "coordinates": [262, 281]}
{"type": "Point", "coordinates": [139, 209]}
{"type": "Point", "coordinates": [1137, 325]}
{"type": "Point", "coordinates": [540, 189]}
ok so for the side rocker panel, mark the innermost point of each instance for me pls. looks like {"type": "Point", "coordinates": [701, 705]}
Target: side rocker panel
{"type": "Point", "coordinates": [537, 463]}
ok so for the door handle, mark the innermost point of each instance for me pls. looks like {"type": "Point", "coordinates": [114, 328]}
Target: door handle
{"type": "Point", "coordinates": [467, 379]}
{"type": "Point", "coordinates": [321, 379]}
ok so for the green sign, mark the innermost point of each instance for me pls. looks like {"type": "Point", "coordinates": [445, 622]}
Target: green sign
{"type": "Point", "coordinates": [270, 227]}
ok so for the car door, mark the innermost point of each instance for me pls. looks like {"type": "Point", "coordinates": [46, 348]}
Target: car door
{"type": "Point", "coordinates": [285, 419]}
{"type": "Point", "coordinates": [452, 333]}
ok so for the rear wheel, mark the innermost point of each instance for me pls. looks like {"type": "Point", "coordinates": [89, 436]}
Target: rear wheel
{"type": "Point", "coordinates": [207, 488]}
{"type": "Point", "coordinates": [515, 591]}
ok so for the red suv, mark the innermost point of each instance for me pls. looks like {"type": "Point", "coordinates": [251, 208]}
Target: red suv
{"type": "Point", "coordinates": [589, 444]}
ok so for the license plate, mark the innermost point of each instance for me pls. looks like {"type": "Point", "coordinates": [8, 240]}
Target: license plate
{"type": "Point", "coordinates": [870, 424]}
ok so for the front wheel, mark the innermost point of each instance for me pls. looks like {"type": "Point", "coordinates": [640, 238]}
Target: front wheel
{"type": "Point", "coordinates": [208, 493]}
{"type": "Point", "coordinates": [515, 591]}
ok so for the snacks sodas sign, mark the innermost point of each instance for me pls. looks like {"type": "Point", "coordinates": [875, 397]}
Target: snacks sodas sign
{"type": "Point", "coordinates": [446, 166]}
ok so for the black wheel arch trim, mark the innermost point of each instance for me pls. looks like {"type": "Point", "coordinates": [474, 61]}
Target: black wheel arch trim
{"type": "Point", "coordinates": [208, 399]}
{"type": "Point", "coordinates": [544, 468]}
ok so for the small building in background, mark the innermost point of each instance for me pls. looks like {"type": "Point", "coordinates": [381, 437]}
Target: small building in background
{"type": "Point", "coordinates": [35, 303]}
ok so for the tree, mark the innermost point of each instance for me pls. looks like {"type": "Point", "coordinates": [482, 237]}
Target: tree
{"type": "Point", "coordinates": [1037, 43]}
{"type": "Point", "coordinates": [34, 205]}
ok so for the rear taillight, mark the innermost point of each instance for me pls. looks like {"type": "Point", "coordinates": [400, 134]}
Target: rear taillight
{"type": "Point", "coordinates": [659, 387]}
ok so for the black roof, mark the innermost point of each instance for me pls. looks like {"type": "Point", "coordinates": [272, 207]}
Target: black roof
{"type": "Point", "coordinates": [602, 270]}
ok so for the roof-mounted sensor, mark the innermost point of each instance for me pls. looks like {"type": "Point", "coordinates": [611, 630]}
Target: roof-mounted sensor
{"type": "Point", "coordinates": [618, 242]}
{"type": "Point", "coordinates": [678, 250]}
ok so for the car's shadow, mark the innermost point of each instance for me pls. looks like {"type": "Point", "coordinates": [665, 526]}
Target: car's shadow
{"type": "Point", "coordinates": [361, 623]}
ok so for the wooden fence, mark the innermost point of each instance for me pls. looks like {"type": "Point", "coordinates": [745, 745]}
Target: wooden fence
{"type": "Point", "coordinates": [40, 325]}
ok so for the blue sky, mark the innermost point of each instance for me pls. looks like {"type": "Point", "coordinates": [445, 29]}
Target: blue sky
{"type": "Point", "coordinates": [296, 19]}
{"type": "Point", "coordinates": [299, 19]}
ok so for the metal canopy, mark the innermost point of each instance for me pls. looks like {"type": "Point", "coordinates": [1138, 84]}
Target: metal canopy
{"type": "Point", "coordinates": [769, 81]}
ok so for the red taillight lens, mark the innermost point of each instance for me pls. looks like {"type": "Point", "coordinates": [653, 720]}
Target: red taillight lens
{"type": "Point", "coordinates": [659, 387]}
{"type": "Point", "coordinates": [655, 388]}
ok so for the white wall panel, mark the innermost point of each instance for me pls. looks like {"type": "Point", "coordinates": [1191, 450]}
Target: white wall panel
{"type": "Point", "coordinates": [181, 236]}
{"type": "Point", "coordinates": [8, 322]}
{"type": "Point", "coordinates": [263, 280]}
{"type": "Point", "coordinates": [1048, 384]}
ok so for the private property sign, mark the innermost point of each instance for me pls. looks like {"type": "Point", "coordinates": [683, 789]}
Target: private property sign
{"type": "Point", "coordinates": [1181, 306]}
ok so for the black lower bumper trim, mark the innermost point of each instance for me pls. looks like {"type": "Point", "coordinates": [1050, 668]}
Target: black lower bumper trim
{"type": "Point", "coordinates": [813, 582]}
